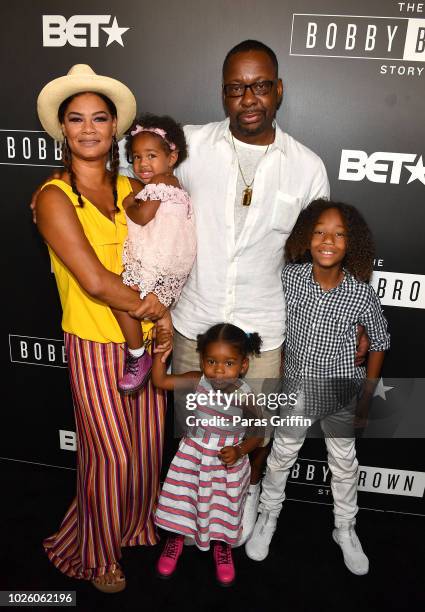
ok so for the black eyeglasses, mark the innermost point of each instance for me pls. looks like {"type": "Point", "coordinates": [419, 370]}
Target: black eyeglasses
{"type": "Point", "coordinates": [259, 88]}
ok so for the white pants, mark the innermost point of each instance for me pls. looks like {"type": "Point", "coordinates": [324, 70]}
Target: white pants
{"type": "Point", "coordinates": [341, 459]}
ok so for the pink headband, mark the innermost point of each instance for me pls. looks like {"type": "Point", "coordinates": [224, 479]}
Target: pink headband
{"type": "Point", "coordinates": [154, 130]}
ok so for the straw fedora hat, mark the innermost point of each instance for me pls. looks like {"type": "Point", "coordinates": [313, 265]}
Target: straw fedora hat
{"type": "Point", "coordinates": [82, 78]}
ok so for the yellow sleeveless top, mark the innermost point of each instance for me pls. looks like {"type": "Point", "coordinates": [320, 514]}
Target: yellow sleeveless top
{"type": "Point", "coordinates": [83, 315]}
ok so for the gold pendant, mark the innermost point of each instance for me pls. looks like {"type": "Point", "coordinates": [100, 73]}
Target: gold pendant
{"type": "Point", "coordinates": [247, 196]}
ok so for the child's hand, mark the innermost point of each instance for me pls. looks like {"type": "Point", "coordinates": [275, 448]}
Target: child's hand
{"type": "Point", "coordinates": [129, 201]}
{"type": "Point", "coordinates": [360, 422]}
{"type": "Point", "coordinates": [362, 346]}
{"type": "Point", "coordinates": [229, 454]}
{"type": "Point", "coordinates": [163, 334]}
{"type": "Point", "coordinates": [162, 337]}
{"type": "Point", "coordinates": [362, 412]}
{"type": "Point", "coordinates": [163, 341]}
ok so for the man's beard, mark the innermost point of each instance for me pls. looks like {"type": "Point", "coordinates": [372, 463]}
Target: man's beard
{"type": "Point", "coordinates": [246, 130]}
{"type": "Point", "coordinates": [251, 132]}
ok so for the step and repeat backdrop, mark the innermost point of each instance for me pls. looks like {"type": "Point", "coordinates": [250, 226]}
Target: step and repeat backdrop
{"type": "Point", "coordinates": [354, 79]}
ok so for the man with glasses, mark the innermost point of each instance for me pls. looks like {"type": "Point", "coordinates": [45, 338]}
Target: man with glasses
{"type": "Point", "coordinates": [248, 182]}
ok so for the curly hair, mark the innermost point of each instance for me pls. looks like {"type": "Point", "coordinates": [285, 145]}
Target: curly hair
{"type": "Point", "coordinates": [245, 344]}
{"type": "Point", "coordinates": [358, 259]}
{"type": "Point", "coordinates": [174, 133]}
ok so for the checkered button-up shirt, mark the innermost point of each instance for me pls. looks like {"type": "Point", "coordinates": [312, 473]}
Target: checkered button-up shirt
{"type": "Point", "coordinates": [321, 332]}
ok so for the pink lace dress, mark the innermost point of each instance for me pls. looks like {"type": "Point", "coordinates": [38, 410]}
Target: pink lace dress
{"type": "Point", "coordinates": [158, 256]}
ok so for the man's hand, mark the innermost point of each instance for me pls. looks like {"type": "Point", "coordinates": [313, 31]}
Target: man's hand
{"type": "Point", "coordinates": [229, 454]}
{"type": "Point", "coordinates": [150, 308]}
{"type": "Point", "coordinates": [362, 347]}
{"type": "Point", "coordinates": [33, 203]}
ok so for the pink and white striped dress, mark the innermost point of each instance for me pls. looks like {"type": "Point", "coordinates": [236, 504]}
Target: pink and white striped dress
{"type": "Point", "coordinates": [202, 497]}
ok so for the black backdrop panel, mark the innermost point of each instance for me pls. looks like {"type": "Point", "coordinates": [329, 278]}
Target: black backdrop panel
{"type": "Point", "coordinates": [354, 81]}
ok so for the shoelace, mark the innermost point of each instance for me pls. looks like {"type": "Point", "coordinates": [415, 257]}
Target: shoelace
{"type": "Point", "coordinates": [131, 364]}
{"type": "Point", "coordinates": [224, 555]}
{"type": "Point", "coordinates": [171, 548]}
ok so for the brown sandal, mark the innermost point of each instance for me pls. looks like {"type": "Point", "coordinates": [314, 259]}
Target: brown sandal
{"type": "Point", "coordinates": [117, 585]}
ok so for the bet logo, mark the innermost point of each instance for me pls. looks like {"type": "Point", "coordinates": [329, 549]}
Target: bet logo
{"type": "Point", "coordinates": [80, 30]}
{"type": "Point", "coordinates": [381, 167]}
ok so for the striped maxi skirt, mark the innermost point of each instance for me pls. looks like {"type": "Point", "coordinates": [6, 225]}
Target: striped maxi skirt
{"type": "Point", "coordinates": [119, 453]}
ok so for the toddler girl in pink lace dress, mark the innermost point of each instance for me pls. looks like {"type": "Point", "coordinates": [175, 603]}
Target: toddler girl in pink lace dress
{"type": "Point", "coordinates": [161, 245]}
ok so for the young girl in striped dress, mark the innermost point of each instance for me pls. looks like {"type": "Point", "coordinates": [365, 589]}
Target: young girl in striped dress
{"type": "Point", "coordinates": [204, 492]}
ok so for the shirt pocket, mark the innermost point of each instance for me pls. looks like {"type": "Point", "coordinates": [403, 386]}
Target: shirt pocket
{"type": "Point", "coordinates": [286, 209]}
{"type": "Point", "coordinates": [333, 334]}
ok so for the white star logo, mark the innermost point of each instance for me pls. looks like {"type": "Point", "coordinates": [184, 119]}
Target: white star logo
{"type": "Point", "coordinates": [417, 172]}
{"type": "Point", "coordinates": [381, 389]}
{"type": "Point", "coordinates": [115, 33]}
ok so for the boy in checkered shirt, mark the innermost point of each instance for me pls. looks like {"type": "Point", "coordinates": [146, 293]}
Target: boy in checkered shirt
{"type": "Point", "coordinates": [327, 296]}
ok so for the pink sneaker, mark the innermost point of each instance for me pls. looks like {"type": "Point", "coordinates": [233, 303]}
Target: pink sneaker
{"type": "Point", "coordinates": [224, 568]}
{"type": "Point", "coordinates": [136, 373]}
{"type": "Point", "coordinates": [167, 562]}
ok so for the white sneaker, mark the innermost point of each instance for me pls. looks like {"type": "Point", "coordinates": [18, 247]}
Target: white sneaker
{"type": "Point", "coordinates": [354, 557]}
{"type": "Point", "coordinates": [257, 547]}
{"type": "Point", "coordinates": [250, 512]}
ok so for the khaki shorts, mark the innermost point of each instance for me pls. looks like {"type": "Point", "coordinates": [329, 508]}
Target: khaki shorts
{"type": "Point", "coordinates": [263, 375]}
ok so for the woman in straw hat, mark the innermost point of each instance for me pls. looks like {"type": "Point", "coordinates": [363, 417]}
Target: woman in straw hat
{"type": "Point", "coordinates": [120, 438]}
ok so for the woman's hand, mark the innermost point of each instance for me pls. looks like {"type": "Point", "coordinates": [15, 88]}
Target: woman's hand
{"type": "Point", "coordinates": [150, 308]}
{"type": "Point", "coordinates": [229, 454]}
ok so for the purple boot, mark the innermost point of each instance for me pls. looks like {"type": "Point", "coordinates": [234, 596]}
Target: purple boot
{"type": "Point", "coordinates": [136, 373]}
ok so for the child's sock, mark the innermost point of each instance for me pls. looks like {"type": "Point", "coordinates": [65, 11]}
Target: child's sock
{"type": "Point", "coordinates": [137, 352]}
